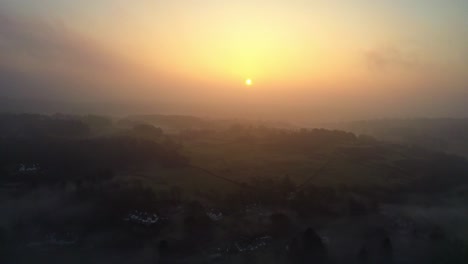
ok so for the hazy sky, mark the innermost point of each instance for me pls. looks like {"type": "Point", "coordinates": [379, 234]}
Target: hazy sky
{"type": "Point", "coordinates": [337, 59]}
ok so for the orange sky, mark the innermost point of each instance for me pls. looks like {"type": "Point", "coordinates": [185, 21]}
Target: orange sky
{"type": "Point", "coordinates": [333, 54]}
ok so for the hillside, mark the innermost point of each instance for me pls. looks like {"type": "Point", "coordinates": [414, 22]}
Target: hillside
{"type": "Point", "coordinates": [222, 195]}
{"type": "Point", "coordinates": [443, 134]}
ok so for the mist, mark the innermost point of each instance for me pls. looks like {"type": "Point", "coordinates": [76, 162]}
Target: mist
{"type": "Point", "coordinates": [225, 132]}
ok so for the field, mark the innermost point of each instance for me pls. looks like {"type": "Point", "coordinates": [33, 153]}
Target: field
{"type": "Point", "coordinates": [243, 193]}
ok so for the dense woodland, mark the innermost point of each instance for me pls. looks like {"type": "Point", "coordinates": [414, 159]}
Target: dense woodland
{"type": "Point", "coordinates": [174, 189]}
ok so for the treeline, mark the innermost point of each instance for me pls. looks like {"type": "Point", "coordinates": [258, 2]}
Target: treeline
{"type": "Point", "coordinates": [61, 147]}
{"type": "Point", "coordinates": [267, 135]}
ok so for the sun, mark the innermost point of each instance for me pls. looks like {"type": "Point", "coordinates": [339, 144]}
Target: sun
{"type": "Point", "coordinates": [248, 82]}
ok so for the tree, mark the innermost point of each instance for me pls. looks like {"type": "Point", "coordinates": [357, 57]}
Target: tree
{"type": "Point", "coordinates": [163, 249]}
{"type": "Point", "coordinates": [387, 250]}
{"type": "Point", "coordinates": [149, 131]}
{"type": "Point", "coordinates": [313, 247]}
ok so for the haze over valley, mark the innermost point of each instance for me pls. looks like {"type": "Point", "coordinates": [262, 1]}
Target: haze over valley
{"type": "Point", "coordinates": [286, 132]}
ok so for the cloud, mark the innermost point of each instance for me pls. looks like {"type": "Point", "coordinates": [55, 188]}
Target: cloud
{"type": "Point", "coordinates": [35, 39]}
{"type": "Point", "coordinates": [39, 58]}
{"type": "Point", "coordinates": [390, 58]}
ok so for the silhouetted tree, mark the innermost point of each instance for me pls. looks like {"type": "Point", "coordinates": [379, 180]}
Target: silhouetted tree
{"type": "Point", "coordinates": [164, 253]}
{"type": "Point", "coordinates": [314, 249]}
{"type": "Point", "coordinates": [387, 250]}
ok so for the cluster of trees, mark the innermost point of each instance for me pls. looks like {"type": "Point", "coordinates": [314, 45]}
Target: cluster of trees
{"type": "Point", "coordinates": [65, 158]}
{"type": "Point", "coordinates": [67, 147]}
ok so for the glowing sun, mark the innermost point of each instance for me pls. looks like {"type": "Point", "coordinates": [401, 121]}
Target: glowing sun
{"type": "Point", "coordinates": [248, 82]}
